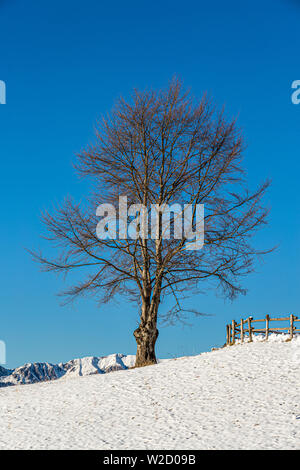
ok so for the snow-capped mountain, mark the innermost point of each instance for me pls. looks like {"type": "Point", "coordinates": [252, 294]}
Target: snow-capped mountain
{"type": "Point", "coordinates": [4, 372]}
{"type": "Point", "coordinates": [40, 372]}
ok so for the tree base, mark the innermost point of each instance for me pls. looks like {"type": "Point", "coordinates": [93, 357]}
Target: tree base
{"type": "Point", "coordinates": [145, 364]}
{"type": "Point", "coordinates": [146, 338]}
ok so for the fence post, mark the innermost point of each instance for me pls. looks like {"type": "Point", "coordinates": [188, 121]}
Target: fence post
{"type": "Point", "coordinates": [242, 330]}
{"type": "Point", "coordinates": [227, 335]}
{"type": "Point", "coordinates": [267, 326]}
{"type": "Point", "coordinates": [291, 326]}
{"type": "Point", "coordinates": [233, 332]}
{"type": "Point", "coordinates": [250, 329]}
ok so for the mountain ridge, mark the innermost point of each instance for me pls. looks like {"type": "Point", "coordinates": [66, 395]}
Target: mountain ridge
{"type": "Point", "coordinates": [36, 372]}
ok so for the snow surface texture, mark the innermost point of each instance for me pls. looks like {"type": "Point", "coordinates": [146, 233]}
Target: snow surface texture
{"type": "Point", "coordinates": [43, 371]}
{"type": "Point", "coordinates": [240, 397]}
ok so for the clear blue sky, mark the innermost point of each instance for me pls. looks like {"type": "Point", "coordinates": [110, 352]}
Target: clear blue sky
{"type": "Point", "coordinates": [64, 63]}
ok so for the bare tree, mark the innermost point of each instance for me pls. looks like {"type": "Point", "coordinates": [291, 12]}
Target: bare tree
{"type": "Point", "coordinates": [160, 148]}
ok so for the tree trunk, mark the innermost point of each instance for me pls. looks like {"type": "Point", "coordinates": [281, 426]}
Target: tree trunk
{"type": "Point", "coordinates": [146, 336]}
{"type": "Point", "coordinates": [147, 333]}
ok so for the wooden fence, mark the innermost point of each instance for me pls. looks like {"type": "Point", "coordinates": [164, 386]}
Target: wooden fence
{"type": "Point", "coordinates": [246, 329]}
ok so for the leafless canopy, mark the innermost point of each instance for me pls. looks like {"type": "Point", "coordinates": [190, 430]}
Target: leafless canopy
{"type": "Point", "coordinates": [160, 147]}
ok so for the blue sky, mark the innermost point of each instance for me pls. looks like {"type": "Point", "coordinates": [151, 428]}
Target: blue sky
{"type": "Point", "coordinates": [64, 63]}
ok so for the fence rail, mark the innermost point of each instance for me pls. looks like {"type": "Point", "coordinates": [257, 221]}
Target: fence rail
{"type": "Point", "coordinates": [245, 328]}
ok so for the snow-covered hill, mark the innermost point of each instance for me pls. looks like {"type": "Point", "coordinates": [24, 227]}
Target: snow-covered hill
{"type": "Point", "coordinates": [243, 396]}
{"type": "Point", "coordinates": [41, 372]}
